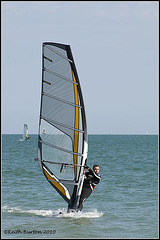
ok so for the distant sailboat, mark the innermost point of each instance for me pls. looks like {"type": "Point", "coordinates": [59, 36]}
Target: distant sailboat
{"type": "Point", "coordinates": [25, 133]}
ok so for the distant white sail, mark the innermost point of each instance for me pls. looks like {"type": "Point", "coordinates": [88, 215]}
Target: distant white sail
{"type": "Point", "coordinates": [25, 133]}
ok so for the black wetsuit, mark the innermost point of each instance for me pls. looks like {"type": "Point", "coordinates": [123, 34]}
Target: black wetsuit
{"type": "Point", "coordinates": [90, 181]}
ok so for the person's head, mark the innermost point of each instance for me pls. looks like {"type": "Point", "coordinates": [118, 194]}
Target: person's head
{"type": "Point", "coordinates": [96, 168]}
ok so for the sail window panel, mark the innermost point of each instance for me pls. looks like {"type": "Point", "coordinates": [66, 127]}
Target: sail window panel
{"type": "Point", "coordinates": [59, 136]}
{"type": "Point", "coordinates": [54, 136]}
{"type": "Point", "coordinates": [58, 111]}
{"type": "Point", "coordinates": [61, 172]}
{"type": "Point", "coordinates": [59, 64]}
{"type": "Point", "coordinates": [59, 87]}
{"type": "Point", "coordinates": [57, 157]}
{"type": "Point", "coordinates": [64, 129]}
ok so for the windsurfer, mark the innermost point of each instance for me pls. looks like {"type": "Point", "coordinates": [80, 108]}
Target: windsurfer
{"type": "Point", "coordinates": [91, 179]}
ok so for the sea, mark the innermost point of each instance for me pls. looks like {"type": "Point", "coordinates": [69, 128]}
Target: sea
{"type": "Point", "coordinates": [124, 205]}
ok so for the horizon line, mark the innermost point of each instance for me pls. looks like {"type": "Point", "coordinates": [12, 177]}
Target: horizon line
{"type": "Point", "coordinates": [92, 134]}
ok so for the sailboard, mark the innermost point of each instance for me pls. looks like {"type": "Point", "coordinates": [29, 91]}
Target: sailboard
{"type": "Point", "coordinates": [62, 135]}
{"type": "Point", "coordinates": [25, 132]}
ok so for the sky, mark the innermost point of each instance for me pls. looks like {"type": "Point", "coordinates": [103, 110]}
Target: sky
{"type": "Point", "coordinates": [115, 46]}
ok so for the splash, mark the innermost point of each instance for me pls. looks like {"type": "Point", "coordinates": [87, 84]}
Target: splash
{"type": "Point", "coordinates": [49, 213]}
{"type": "Point", "coordinates": [91, 214]}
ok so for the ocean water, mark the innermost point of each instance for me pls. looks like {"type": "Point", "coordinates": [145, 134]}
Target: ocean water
{"type": "Point", "coordinates": [124, 205]}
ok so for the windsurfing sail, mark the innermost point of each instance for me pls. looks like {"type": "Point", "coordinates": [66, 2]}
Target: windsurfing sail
{"type": "Point", "coordinates": [62, 136]}
{"type": "Point", "coordinates": [25, 132]}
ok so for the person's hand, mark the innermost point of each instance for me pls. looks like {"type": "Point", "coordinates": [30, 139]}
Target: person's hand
{"type": "Point", "coordinates": [86, 167]}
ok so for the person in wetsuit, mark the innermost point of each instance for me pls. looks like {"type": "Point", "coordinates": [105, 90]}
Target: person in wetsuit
{"type": "Point", "coordinates": [91, 179]}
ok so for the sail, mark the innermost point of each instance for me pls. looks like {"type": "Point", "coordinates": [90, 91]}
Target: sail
{"type": "Point", "coordinates": [25, 132]}
{"type": "Point", "coordinates": [62, 137]}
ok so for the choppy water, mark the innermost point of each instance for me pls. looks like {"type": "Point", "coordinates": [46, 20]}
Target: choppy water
{"type": "Point", "coordinates": [123, 205]}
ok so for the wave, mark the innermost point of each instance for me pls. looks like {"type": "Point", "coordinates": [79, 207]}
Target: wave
{"type": "Point", "coordinates": [49, 213]}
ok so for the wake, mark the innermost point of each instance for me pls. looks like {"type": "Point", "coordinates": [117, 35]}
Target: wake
{"type": "Point", "coordinates": [49, 213]}
{"type": "Point", "coordinates": [16, 210]}
{"type": "Point", "coordinates": [91, 214]}
{"type": "Point", "coordinates": [20, 140]}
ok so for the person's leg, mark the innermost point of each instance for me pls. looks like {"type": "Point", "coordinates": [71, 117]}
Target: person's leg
{"type": "Point", "coordinates": [86, 192]}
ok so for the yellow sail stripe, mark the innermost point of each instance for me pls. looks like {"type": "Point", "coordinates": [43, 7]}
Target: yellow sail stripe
{"type": "Point", "coordinates": [56, 184]}
{"type": "Point", "coordinates": [76, 125]}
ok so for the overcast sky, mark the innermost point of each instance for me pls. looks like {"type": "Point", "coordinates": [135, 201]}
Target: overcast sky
{"type": "Point", "coordinates": [115, 48]}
